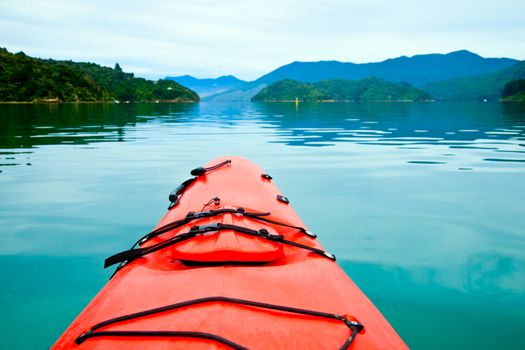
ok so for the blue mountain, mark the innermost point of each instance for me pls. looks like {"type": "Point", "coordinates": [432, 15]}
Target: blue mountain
{"type": "Point", "coordinates": [206, 87]}
{"type": "Point", "coordinates": [417, 70]}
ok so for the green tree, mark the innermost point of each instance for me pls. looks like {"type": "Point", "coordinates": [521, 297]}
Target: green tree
{"type": "Point", "coordinates": [513, 87]}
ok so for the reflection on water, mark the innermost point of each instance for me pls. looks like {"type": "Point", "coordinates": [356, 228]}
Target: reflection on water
{"type": "Point", "coordinates": [422, 203]}
{"type": "Point", "coordinates": [448, 318]}
{"type": "Point", "coordinates": [494, 273]}
{"type": "Point", "coordinates": [27, 126]}
{"type": "Point", "coordinates": [406, 126]}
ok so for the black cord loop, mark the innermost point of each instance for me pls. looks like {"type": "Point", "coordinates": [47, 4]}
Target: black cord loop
{"type": "Point", "coordinates": [354, 326]}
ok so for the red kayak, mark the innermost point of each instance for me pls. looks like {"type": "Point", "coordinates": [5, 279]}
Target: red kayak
{"type": "Point", "coordinates": [230, 266]}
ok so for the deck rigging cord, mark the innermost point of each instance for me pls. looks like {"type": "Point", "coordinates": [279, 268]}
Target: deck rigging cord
{"type": "Point", "coordinates": [174, 198]}
{"type": "Point", "coordinates": [130, 255]}
{"type": "Point", "coordinates": [260, 216]}
{"type": "Point", "coordinates": [175, 195]}
{"type": "Point", "coordinates": [354, 326]}
{"type": "Point", "coordinates": [215, 201]}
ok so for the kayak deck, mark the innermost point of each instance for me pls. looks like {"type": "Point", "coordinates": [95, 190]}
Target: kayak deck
{"type": "Point", "coordinates": [235, 279]}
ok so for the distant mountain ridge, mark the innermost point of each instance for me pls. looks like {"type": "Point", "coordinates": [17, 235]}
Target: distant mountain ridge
{"type": "Point", "coordinates": [338, 90]}
{"type": "Point", "coordinates": [482, 87]}
{"type": "Point", "coordinates": [208, 86]}
{"type": "Point", "coordinates": [417, 70]}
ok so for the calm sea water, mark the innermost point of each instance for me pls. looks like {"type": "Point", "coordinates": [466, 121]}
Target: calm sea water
{"type": "Point", "coordinates": [423, 204]}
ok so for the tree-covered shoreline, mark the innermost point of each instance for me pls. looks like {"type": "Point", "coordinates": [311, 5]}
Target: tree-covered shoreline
{"type": "Point", "coordinates": [25, 79]}
{"type": "Point", "coordinates": [514, 91]}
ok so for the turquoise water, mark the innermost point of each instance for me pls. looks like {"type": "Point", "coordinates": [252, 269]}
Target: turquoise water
{"type": "Point", "coordinates": [423, 204]}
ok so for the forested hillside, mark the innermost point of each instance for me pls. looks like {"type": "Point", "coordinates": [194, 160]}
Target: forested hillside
{"type": "Point", "coordinates": [25, 79]}
{"type": "Point", "coordinates": [370, 89]}
{"type": "Point", "coordinates": [484, 87]}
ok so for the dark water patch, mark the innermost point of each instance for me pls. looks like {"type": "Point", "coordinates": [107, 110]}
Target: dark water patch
{"type": "Point", "coordinates": [472, 147]}
{"type": "Point", "coordinates": [381, 143]}
{"type": "Point", "coordinates": [3, 153]}
{"type": "Point", "coordinates": [9, 164]}
{"type": "Point", "coordinates": [424, 162]}
{"type": "Point", "coordinates": [508, 151]}
{"type": "Point", "coordinates": [315, 144]}
{"type": "Point", "coordinates": [504, 160]}
{"type": "Point", "coordinates": [464, 168]}
{"type": "Point", "coordinates": [416, 139]}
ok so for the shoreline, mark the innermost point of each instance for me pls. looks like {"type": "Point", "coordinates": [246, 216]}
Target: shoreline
{"type": "Point", "coordinates": [42, 102]}
{"type": "Point", "coordinates": [342, 101]}
{"type": "Point", "coordinates": [268, 101]}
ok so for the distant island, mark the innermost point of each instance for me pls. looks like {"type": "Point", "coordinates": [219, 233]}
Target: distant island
{"type": "Point", "coordinates": [28, 79]}
{"type": "Point", "coordinates": [338, 90]}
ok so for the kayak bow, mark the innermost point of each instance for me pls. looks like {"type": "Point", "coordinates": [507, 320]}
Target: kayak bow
{"type": "Point", "coordinates": [230, 266]}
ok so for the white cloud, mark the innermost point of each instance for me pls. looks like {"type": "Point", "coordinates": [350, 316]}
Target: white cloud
{"type": "Point", "coordinates": [250, 38]}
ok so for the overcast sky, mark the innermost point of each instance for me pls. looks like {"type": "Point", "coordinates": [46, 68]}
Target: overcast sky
{"type": "Point", "coordinates": [208, 38]}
